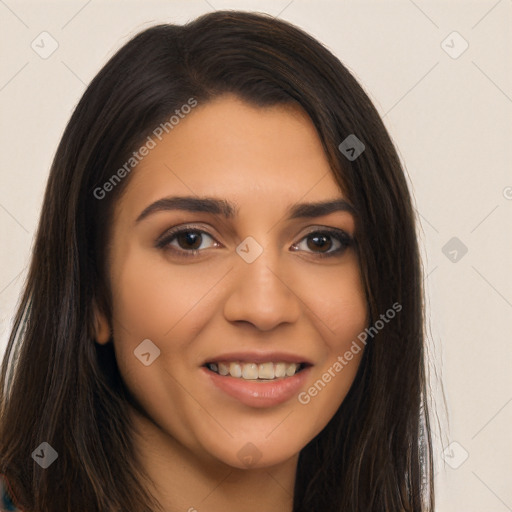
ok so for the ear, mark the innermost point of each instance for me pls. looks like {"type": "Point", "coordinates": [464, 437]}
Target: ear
{"type": "Point", "coordinates": [102, 331]}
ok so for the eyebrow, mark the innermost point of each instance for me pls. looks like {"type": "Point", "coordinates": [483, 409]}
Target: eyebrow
{"type": "Point", "coordinates": [229, 210]}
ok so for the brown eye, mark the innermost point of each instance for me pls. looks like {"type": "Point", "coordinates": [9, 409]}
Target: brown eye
{"type": "Point", "coordinates": [321, 242]}
{"type": "Point", "coordinates": [325, 243]}
{"type": "Point", "coordinates": [189, 239]}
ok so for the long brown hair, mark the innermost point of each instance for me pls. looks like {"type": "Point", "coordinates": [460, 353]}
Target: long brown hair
{"type": "Point", "coordinates": [59, 386]}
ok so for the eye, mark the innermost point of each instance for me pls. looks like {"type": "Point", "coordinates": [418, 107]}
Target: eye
{"type": "Point", "coordinates": [325, 242]}
{"type": "Point", "coordinates": [188, 241]}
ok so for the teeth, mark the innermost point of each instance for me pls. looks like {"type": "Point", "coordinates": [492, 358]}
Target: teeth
{"type": "Point", "coordinates": [235, 370]}
{"type": "Point", "coordinates": [250, 371]}
{"type": "Point", "coordinates": [280, 370]}
{"type": "Point", "coordinates": [291, 369]}
{"type": "Point", "coordinates": [253, 371]}
{"type": "Point", "coordinates": [266, 371]}
{"type": "Point", "coordinates": [223, 369]}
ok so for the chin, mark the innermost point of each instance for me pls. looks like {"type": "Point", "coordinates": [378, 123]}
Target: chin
{"type": "Point", "coordinates": [256, 453]}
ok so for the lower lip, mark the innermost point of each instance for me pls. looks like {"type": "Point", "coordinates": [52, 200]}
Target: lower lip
{"type": "Point", "coordinates": [257, 393]}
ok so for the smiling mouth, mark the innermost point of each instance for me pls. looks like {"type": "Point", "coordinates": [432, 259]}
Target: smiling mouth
{"type": "Point", "coordinates": [256, 371]}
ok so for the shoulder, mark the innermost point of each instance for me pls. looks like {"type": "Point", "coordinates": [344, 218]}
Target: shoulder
{"type": "Point", "coordinates": [6, 504]}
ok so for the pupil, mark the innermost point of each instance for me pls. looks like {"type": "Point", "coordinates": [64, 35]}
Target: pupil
{"type": "Point", "coordinates": [319, 241]}
{"type": "Point", "coordinates": [189, 240]}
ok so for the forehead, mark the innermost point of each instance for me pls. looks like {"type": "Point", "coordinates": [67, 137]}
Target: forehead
{"type": "Point", "coordinates": [229, 148]}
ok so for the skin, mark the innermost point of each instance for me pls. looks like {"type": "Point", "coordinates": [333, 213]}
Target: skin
{"type": "Point", "coordinates": [189, 432]}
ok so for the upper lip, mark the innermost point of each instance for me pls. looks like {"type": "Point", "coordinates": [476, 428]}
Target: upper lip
{"type": "Point", "coordinates": [258, 357]}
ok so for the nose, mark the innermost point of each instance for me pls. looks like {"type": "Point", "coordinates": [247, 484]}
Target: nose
{"type": "Point", "coordinates": [261, 293]}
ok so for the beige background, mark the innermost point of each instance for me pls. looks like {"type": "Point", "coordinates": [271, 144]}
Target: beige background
{"type": "Point", "coordinates": [450, 118]}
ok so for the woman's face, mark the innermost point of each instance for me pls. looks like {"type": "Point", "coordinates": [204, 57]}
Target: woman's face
{"type": "Point", "coordinates": [259, 281]}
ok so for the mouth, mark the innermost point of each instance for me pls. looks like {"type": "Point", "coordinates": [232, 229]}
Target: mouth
{"type": "Point", "coordinates": [256, 372]}
{"type": "Point", "coordinates": [259, 384]}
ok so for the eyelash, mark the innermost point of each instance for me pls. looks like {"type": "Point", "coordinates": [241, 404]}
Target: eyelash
{"type": "Point", "coordinates": [344, 239]}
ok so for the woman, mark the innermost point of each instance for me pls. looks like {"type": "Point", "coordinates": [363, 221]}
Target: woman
{"type": "Point", "coordinates": [224, 308]}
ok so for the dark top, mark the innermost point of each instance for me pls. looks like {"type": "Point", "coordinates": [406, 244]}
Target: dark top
{"type": "Point", "coordinates": [6, 504]}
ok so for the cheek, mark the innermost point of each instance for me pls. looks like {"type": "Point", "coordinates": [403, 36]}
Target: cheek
{"type": "Point", "coordinates": [151, 296]}
{"type": "Point", "coordinates": [338, 309]}
{"type": "Point", "coordinates": [337, 301]}
{"type": "Point", "coordinates": [154, 301]}
{"type": "Point", "coordinates": [167, 304]}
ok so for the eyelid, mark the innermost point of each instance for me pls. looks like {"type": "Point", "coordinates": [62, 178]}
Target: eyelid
{"type": "Point", "coordinates": [341, 234]}
{"type": "Point", "coordinates": [164, 238]}
{"type": "Point", "coordinates": [327, 229]}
